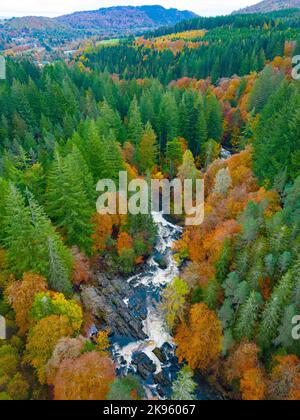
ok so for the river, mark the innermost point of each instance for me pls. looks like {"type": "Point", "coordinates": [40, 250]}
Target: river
{"type": "Point", "coordinates": [153, 358]}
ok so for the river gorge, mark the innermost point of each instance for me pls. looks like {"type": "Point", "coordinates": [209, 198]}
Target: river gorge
{"type": "Point", "coordinates": [141, 342]}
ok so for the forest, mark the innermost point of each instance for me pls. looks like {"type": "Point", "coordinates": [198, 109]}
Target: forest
{"type": "Point", "coordinates": [163, 105]}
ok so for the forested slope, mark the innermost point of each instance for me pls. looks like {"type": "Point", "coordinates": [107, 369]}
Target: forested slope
{"type": "Point", "coordinates": [154, 112]}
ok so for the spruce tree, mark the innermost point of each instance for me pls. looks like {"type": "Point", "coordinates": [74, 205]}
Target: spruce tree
{"type": "Point", "coordinates": [59, 272]}
{"type": "Point", "coordinates": [135, 126]}
{"type": "Point", "coordinates": [184, 387]}
{"type": "Point", "coordinates": [68, 204]}
{"type": "Point", "coordinates": [147, 151]}
{"type": "Point", "coordinates": [274, 310]}
{"type": "Point", "coordinates": [248, 317]}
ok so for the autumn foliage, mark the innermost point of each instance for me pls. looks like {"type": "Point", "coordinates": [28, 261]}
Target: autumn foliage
{"type": "Point", "coordinates": [42, 340]}
{"type": "Point", "coordinates": [199, 341]}
{"type": "Point", "coordinates": [21, 296]}
{"type": "Point", "coordinates": [285, 378]}
{"type": "Point", "coordinates": [86, 378]}
{"type": "Point", "coordinates": [81, 268]}
{"type": "Point", "coordinates": [253, 385]}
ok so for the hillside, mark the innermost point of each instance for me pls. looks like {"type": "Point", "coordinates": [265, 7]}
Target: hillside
{"type": "Point", "coordinates": [108, 20]}
{"type": "Point", "coordinates": [32, 23]}
{"type": "Point", "coordinates": [103, 296]}
{"type": "Point", "coordinates": [267, 6]}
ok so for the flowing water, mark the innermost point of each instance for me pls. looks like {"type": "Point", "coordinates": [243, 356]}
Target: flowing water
{"type": "Point", "coordinates": [153, 359]}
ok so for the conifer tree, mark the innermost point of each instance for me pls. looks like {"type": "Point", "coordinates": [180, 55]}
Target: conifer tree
{"type": "Point", "coordinates": [148, 150]}
{"type": "Point", "coordinates": [135, 126]}
{"type": "Point", "coordinates": [174, 155]}
{"type": "Point", "coordinates": [248, 316]}
{"type": "Point", "coordinates": [59, 274]}
{"type": "Point", "coordinates": [68, 204]}
{"type": "Point", "coordinates": [274, 311]}
{"type": "Point", "coordinates": [183, 389]}
{"type": "Point", "coordinates": [214, 119]}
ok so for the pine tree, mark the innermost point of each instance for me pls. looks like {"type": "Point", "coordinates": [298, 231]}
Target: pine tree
{"type": "Point", "coordinates": [274, 311]}
{"type": "Point", "coordinates": [94, 150]}
{"type": "Point", "coordinates": [18, 238]}
{"type": "Point", "coordinates": [112, 159]}
{"type": "Point", "coordinates": [110, 120]}
{"type": "Point", "coordinates": [226, 314]}
{"type": "Point", "coordinates": [174, 155]}
{"type": "Point", "coordinates": [183, 389]}
{"type": "Point", "coordinates": [68, 204]}
{"type": "Point", "coordinates": [248, 316]}
{"type": "Point", "coordinates": [59, 274]}
{"type": "Point", "coordinates": [147, 151]}
{"type": "Point", "coordinates": [202, 135]}
{"type": "Point", "coordinates": [135, 126]}
{"type": "Point", "coordinates": [168, 120]}
{"type": "Point", "coordinates": [27, 232]}
{"type": "Point", "coordinates": [285, 337]}
{"type": "Point", "coordinates": [214, 119]}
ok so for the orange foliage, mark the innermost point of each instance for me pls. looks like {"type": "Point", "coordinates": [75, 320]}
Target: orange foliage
{"type": "Point", "coordinates": [199, 341]}
{"type": "Point", "coordinates": [86, 378]}
{"type": "Point", "coordinates": [285, 378]}
{"type": "Point", "coordinates": [131, 171]}
{"type": "Point", "coordinates": [66, 348]}
{"type": "Point", "coordinates": [253, 385]}
{"type": "Point", "coordinates": [174, 42]}
{"type": "Point", "coordinates": [128, 152]}
{"type": "Point", "coordinates": [81, 268]}
{"type": "Point", "coordinates": [124, 241]}
{"type": "Point", "coordinates": [289, 48]}
{"type": "Point", "coordinates": [240, 169]}
{"type": "Point", "coordinates": [42, 340]}
{"type": "Point", "coordinates": [242, 360]}
{"type": "Point", "coordinates": [203, 244]}
{"type": "Point", "coordinates": [272, 198]}
{"type": "Point", "coordinates": [266, 287]}
{"type": "Point", "coordinates": [103, 228]}
{"type": "Point", "coordinates": [20, 295]}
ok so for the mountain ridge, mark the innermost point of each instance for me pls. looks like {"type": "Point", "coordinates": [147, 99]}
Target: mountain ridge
{"type": "Point", "coordinates": [267, 6]}
{"type": "Point", "coordinates": [110, 18]}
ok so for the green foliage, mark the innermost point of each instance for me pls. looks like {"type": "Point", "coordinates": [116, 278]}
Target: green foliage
{"type": "Point", "coordinates": [274, 311]}
{"type": "Point", "coordinates": [68, 204]}
{"type": "Point", "coordinates": [248, 317]}
{"type": "Point", "coordinates": [128, 388]}
{"type": "Point", "coordinates": [276, 148]}
{"type": "Point", "coordinates": [27, 233]}
{"type": "Point", "coordinates": [183, 389]}
{"type": "Point", "coordinates": [174, 299]}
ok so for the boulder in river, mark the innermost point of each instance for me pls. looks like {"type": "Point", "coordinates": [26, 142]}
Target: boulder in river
{"type": "Point", "coordinates": [163, 378]}
{"type": "Point", "coordinates": [160, 355]}
{"type": "Point", "coordinates": [106, 303]}
{"type": "Point", "coordinates": [145, 366]}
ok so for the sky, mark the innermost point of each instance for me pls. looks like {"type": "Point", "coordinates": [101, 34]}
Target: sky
{"type": "Point", "coordinates": [58, 7]}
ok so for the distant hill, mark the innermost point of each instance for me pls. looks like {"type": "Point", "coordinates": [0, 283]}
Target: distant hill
{"type": "Point", "coordinates": [267, 6]}
{"type": "Point", "coordinates": [105, 20]}
{"type": "Point", "coordinates": [32, 23]}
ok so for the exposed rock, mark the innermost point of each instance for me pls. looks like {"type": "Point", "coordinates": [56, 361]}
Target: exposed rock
{"type": "Point", "coordinates": [106, 304]}
{"type": "Point", "coordinates": [160, 355]}
{"type": "Point", "coordinates": [162, 378]}
{"type": "Point", "coordinates": [162, 261]}
{"type": "Point", "coordinates": [145, 366]}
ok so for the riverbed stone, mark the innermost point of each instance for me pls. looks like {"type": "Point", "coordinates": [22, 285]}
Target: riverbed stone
{"type": "Point", "coordinates": [160, 355]}
{"type": "Point", "coordinates": [162, 378]}
{"type": "Point", "coordinates": [106, 303]}
{"type": "Point", "coordinates": [145, 366]}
